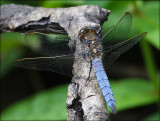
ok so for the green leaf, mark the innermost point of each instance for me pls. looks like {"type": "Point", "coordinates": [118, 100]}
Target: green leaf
{"type": "Point", "coordinates": [130, 93]}
{"type": "Point", "coordinates": [60, 4]}
{"type": "Point", "coordinates": [46, 105]}
{"type": "Point", "coordinates": [147, 20]}
{"type": "Point", "coordinates": [8, 58]}
{"type": "Point", "coordinates": [53, 4]}
{"type": "Point", "coordinates": [118, 7]}
{"type": "Point", "coordinates": [50, 104]}
{"type": "Point", "coordinates": [10, 50]}
{"type": "Point", "coordinates": [11, 40]}
{"type": "Point", "coordinates": [150, 64]}
{"type": "Point", "coordinates": [101, 4]}
{"type": "Point", "coordinates": [153, 117]}
{"type": "Point", "coordinates": [3, 2]}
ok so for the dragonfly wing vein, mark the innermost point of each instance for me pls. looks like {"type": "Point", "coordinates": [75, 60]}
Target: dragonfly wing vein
{"type": "Point", "coordinates": [61, 64]}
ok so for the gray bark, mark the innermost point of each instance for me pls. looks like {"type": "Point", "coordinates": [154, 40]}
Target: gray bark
{"type": "Point", "coordinates": [84, 99]}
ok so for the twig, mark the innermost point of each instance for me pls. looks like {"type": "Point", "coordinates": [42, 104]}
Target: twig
{"type": "Point", "coordinates": [84, 101]}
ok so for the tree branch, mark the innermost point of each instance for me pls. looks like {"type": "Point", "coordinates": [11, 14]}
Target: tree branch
{"type": "Point", "coordinates": [85, 100]}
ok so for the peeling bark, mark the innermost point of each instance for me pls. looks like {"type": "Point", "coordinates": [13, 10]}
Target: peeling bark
{"type": "Point", "coordinates": [84, 100]}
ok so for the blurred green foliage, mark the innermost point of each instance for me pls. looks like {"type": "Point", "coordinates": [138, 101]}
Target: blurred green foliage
{"type": "Point", "coordinates": [128, 93]}
{"type": "Point", "coordinates": [153, 117]}
{"type": "Point", "coordinates": [47, 105]}
{"type": "Point", "coordinates": [50, 104]}
{"type": "Point", "coordinates": [11, 50]}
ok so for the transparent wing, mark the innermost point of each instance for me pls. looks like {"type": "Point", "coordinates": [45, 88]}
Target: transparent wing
{"type": "Point", "coordinates": [118, 32]}
{"type": "Point", "coordinates": [58, 64]}
{"type": "Point", "coordinates": [113, 52]}
{"type": "Point", "coordinates": [49, 44]}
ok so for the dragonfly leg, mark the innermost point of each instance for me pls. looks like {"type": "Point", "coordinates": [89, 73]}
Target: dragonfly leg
{"type": "Point", "coordinates": [89, 70]}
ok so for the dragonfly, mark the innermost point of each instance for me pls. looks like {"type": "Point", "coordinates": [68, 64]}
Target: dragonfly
{"type": "Point", "coordinates": [101, 48]}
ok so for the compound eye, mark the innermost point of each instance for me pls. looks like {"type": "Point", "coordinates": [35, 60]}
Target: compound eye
{"type": "Point", "coordinates": [86, 32]}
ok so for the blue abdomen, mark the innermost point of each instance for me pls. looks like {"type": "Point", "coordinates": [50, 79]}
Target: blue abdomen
{"type": "Point", "coordinates": [104, 83]}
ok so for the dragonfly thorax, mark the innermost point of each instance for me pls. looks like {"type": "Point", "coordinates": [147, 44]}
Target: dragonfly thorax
{"type": "Point", "coordinates": [90, 41]}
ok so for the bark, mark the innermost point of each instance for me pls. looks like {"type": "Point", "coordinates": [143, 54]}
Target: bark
{"type": "Point", "coordinates": [84, 99]}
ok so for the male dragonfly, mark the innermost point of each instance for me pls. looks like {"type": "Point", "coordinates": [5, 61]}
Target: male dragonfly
{"type": "Point", "coordinates": [98, 48]}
